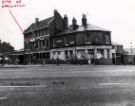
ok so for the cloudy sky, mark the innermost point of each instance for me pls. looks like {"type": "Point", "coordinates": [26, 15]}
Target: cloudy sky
{"type": "Point", "coordinates": [118, 16]}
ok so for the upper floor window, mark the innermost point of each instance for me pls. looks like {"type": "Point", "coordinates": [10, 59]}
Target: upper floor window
{"type": "Point", "coordinates": [72, 42]}
{"type": "Point", "coordinates": [107, 39]}
{"type": "Point", "coordinates": [59, 41]}
{"type": "Point", "coordinates": [38, 33]}
{"type": "Point", "coordinates": [41, 34]}
{"type": "Point", "coordinates": [65, 40]}
{"type": "Point", "coordinates": [97, 40]}
{"type": "Point", "coordinates": [41, 44]}
{"type": "Point", "coordinates": [38, 44]}
{"type": "Point", "coordinates": [26, 45]}
{"type": "Point", "coordinates": [88, 40]}
{"type": "Point", "coordinates": [81, 38]}
{"type": "Point", "coordinates": [54, 43]}
{"type": "Point", "coordinates": [35, 34]}
{"type": "Point", "coordinates": [47, 43]}
{"type": "Point", "coordinates": [45, 32]}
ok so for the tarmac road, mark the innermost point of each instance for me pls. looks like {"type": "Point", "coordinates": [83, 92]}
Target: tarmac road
{"type": "Point", "coordinates": [68, 85]}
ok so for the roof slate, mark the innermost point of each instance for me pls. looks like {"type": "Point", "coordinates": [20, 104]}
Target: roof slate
{"type": "Point", "coordinates": [90, 27]}
{"type": "Point", "coordinates": [40, 25]}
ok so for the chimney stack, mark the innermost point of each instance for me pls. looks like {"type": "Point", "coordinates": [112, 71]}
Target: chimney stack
{"type": "Point", "coordinates": [74, 23]}
{"type": "Point", "coordinates": [84, 20]}
{"type": "Point", "coordinates": [65, 22]}
{"type": "Point", "coordinates": [55, 12]}
{"type": "Point", "coordinates": [36, 20]}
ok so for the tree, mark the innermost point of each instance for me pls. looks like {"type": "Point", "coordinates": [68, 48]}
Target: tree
{"type": "Point", "coordinates": [6, 47]}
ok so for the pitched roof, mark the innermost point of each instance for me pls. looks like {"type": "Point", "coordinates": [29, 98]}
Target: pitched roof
{"type": "Point", "coordinates": [40, 25]}
{"type": "Point", "coordinates": [90, 27]}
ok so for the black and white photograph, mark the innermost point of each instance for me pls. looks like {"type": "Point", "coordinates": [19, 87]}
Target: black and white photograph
{"type": "Point", "coordinates": [67, 53]}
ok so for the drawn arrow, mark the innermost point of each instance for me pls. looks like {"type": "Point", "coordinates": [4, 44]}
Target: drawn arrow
{"type": "Point", "coordinates": [16, 21]}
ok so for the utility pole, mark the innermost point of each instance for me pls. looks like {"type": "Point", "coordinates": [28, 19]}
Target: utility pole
{"type": "Point", "coordinates": [132, 53]}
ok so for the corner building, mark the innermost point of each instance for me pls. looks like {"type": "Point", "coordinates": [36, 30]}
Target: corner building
{"type": "Point", "coordinates": [53, 39]}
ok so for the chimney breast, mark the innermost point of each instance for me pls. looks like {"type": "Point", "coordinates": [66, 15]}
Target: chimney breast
{"type": "Point", "coordinates": [74, 23]}
{"type": "Point", "coordinates": [55, 12]}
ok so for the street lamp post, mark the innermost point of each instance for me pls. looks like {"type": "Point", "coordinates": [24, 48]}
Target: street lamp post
{"type": "Point", "coordinates": [132, 53]}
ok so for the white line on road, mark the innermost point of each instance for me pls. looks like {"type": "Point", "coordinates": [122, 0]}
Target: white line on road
{"type": "Point", "coordinates": [100, 84]}
{"type": "Point", "coordinates": [23, 86]}
{"type": "Point", "coordinates": [116, 84]}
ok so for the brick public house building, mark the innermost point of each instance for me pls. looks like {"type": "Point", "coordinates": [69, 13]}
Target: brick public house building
{"type": "Point", "coordinates": [53, 39]}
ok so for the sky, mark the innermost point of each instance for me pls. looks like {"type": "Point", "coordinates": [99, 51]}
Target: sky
{"type": "Point", "coordinates": [118, 16]}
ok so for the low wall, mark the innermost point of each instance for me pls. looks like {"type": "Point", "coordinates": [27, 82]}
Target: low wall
{"type": "Point", "coordinates": [97, 61]}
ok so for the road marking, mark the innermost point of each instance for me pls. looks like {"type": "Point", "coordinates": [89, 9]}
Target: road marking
{"type": "Point", "coordinates": [23, 86]}
{"type": "Point", "coordinates": [116, 84]}
{"type": "Point", "coordinates": [3, 98]}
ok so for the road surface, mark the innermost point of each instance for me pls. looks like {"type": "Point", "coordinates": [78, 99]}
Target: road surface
{"type": "Point", "coordinates": [67, 85]}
